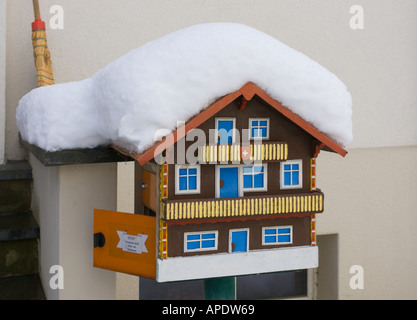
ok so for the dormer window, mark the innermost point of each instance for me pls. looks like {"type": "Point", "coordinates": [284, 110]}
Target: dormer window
{"type": "Point", "coordinates": [226, 130]}
{"type": "Point", "coordinates": [259, 128]}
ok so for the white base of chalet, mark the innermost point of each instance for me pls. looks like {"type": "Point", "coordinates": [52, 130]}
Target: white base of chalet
{"type": "Point", "coordinates": [236, 264]}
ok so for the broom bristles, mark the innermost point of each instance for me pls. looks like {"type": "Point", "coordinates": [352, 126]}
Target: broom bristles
{"type": "Point", "coordinates": [42, 58]}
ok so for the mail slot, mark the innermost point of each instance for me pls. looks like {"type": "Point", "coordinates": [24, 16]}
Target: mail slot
{"type": "Point", "coordinates": [125, 243]}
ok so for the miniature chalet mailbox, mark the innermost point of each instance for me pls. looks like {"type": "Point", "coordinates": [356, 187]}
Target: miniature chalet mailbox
{"type": "Point", "coordinates": [246, 205]}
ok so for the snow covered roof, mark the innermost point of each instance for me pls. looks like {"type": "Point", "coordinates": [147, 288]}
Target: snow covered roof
{"type": "Point", "coordinates": [175, 77]}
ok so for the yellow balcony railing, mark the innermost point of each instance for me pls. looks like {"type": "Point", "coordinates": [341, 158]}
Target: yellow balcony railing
{"type": "Point", "coordinates": [225, 153]}
{"type": "Point", "coordinates": [307, 203]}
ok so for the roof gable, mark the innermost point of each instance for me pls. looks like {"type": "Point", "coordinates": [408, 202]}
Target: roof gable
{"type": "Point", "coordinates": [247, 92]}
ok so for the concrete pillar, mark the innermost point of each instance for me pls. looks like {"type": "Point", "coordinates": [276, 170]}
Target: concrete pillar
{"type": "Point", "coordinates": [64, 198]}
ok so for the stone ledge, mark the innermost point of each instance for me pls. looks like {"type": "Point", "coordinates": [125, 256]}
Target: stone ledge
{"type": "Point", "coordinates": [16, 170]}
{"type": "Point", "coordinates": [18, 226]}
{"type": "Point", "coordinates": [26, 287]}
{"type": "Point", "coordinates": [75, 156]}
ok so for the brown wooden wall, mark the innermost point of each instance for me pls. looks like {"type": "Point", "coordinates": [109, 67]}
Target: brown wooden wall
{"type": "Point", "coordinates": [300, 146]}
{"type": "Point", "coordinates": [301, 234]}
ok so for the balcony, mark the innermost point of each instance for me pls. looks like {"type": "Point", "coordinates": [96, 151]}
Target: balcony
{"type": "Point", "coordinates": [258, 206]}
{"type": "Point", "coordinates": [236, 153]}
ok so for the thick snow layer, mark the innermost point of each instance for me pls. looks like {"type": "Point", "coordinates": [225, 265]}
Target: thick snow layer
{"type": "Point", "coordinates": [175, 77]}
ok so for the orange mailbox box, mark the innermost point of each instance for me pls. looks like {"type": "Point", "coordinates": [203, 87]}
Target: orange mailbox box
{"type": "Point", "coordinates": [125, 242]}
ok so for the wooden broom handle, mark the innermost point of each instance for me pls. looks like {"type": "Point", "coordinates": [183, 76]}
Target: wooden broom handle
{"type": "Point", "coordinates": [36, 9]}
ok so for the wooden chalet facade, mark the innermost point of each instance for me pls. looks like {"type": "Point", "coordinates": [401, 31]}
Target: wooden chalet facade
{"type": "Point", "coordinates": [251, 190]}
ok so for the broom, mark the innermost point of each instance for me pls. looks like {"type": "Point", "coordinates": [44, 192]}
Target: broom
{"type": "Point", "coordinates": [41, 52]}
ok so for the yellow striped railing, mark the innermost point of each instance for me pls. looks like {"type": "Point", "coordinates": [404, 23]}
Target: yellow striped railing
{"type": "Point", "coordinates": [267, 151]}
{"type": "Point", "coordinates": [242, 207]}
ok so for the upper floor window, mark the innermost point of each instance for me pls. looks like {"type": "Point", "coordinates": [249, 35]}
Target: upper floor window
{"type": "Point", "coordinates": [187, 179]}
{"type": "Point", "coordinates": [259, 128]}
{"type": "Point", "coordinates": [226, 130]}
{"type": "Point", "coordinates": [255, 178]}
{"type": "Point", "coordinates": [291, 174]}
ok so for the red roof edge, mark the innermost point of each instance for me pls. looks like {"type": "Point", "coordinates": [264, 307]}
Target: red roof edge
{"type": "Point", "coordinates": [248, 91]}
{"type": "Point", "coordinates": [310, 129]}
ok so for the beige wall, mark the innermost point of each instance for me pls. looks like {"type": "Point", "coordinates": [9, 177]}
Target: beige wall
{"type": "Point", "coordinates": [370, 203]}
{"type": "Point", "coordinates": [2, 81]}
{"type": "Point", "coordinates": [375, 63]}
{"type": "Point", "coordinates": [45, 208]}
{"type": "Point", "coordinates": [127, 286]}
{"type": "Point", "coordinates": [64, 199]}
{"type": "Point", "coordinates": [369, 194]}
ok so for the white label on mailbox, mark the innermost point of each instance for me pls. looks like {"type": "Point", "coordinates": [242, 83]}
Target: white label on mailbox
{"type": "Point", "coordinates": [130, 243]}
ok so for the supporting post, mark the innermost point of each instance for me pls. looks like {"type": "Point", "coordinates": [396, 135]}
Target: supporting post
{"type": "Point", "coordinates": [63, 201]}
{"type": "Point", "coordinates": [220, 288]}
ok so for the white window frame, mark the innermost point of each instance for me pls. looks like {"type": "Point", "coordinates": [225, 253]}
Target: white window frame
{"type": "Point", "coordinates": [247, 238]}
{"type": "Point", "coordinates": [300, 174]}
{"type": "Point", "coordinates": [265, 173]}
{"type": "Point", "coordinates": [217, 177]}
{"type": "Point", "coordinates": [233, 130]}
{"type": "Point", "coordinates": [240, 178]}
{"type": "Point", "coordinates": [216, 240]}
{"type": "Point", "coordinates": [276, 243]}
{"type": "Point", "coordinates": [177, 178]}
{"type": "Point", "coordinates": [267, 128]}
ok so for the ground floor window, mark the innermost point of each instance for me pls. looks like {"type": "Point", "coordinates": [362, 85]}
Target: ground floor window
{"type": "Point", "coordinates": [238, 239]}
{"type": "Point", "coordinates": [200, 241]}
{"type": "Point", "coordinates": [277, 235]}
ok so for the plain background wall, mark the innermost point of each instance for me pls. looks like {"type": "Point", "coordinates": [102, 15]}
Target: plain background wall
{"type": "Point", "coordinates": [63, 203]}
{"type": "Point", "coordinates": [370, 197]}
{"type": "Point", "coordinates": [45, 203]}
{"type": "Point", "coordinates": [375, 63]}
{"type": "Point", "coordinates": [370, 203]}
{"type": "Point", "coordinates": [2, 80]}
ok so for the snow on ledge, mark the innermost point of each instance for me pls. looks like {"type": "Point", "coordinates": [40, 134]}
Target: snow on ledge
{"type": "Point", "coordinates": [172, 79]}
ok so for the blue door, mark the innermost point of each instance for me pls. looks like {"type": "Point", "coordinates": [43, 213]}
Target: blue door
{"type": "Point", "coordinates": [229, 182]}
{"type": "Point", "coordinates": [239, 240]}
{"type": "Point", "coordinates": [225, 129]}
